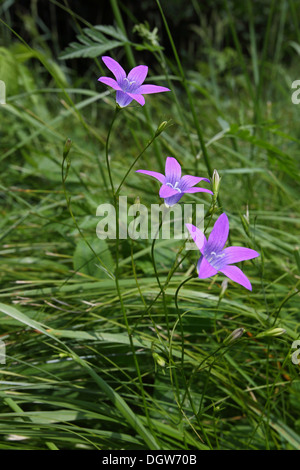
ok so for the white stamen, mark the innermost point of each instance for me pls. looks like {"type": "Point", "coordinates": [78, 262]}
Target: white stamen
{"type": "Point", "coordinates": [217, 256]}
{"type": "Point", "coordinates": [175, 186]}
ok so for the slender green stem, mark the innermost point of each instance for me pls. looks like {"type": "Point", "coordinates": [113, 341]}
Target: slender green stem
{"type": "Point", "coordinates": [179, 316]}
{"type": "Point", "coordinates": [64, 175]}
{"type": "Point", "coordinates": [157, 276]}
{"type": "Point", "coordinates": [120, 23]}
{"type": "Point", "coordinates": [117, 110]}
{"type": "Point", "coordinates": [134, 162]}
{"type": "Point", "coordinates": [123, 309]}
{"type": "Point", "coordinates": [190, 98]}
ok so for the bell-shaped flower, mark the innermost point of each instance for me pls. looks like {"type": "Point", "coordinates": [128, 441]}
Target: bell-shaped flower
{"type": "Point", "coordinates": [215, 258]}
{"type": "Point", "coordinates": [129, 87]}
{"type": "Point", "coordinates": [173, 184]}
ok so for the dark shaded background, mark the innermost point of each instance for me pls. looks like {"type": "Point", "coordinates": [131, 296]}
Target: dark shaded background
{"type": "Point", "coordinates": [47, 19]}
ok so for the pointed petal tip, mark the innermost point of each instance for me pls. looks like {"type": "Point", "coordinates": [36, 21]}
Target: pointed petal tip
{"type": "Point", "coordinates": [159, 176]}
{"type": "Point", "coordinates": [138, 74]}
{"type": "Point", "coordinates": [137, 97]}
{"type": "Point", "coordinates": [205, 269]}
{"type": "Point", "coordinates": [236, 254]}
{"type": "Point", "coordinates": [236, 275]}
{"type": "Point", "coordinates": [149, 89]}
{"type": "Point", "coordinates": [172, 170]}
{"type": "Point", "coordinates": [219, 234]}
{"type": "Point", "coordinates": [223, 216]}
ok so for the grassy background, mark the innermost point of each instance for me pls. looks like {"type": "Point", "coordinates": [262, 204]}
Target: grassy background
{"type": "Point", "coordinates": [74, 378]}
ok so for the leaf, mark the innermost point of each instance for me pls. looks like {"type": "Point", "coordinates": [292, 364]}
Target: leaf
{"type": "Point", "coordinates": [93, 43]}
{"type": "Point", "coordinates": [89, 49]}
{"type": "Point", "coordinates": [110, 31]}
{"type": "Point", "coordinates": [116, 399]}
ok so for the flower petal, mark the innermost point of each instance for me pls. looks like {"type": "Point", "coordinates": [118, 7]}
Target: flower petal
{"type": "Point", "coordinates": [219, 234]}
{"type": "Point", "coordinates": [167, 191]}
{"type": "Point", "coordinates": [198, 190]}
{"type": "Point", "coordinates": [235, 274]}
{"type": "Point", "coordinates": [123, 99]}
{"type": "Point", "coordinates": [148, 89]}
{"type": "Point", "coordinates": [172, 170]}
{"type": "Point", "coordinates": [235, 254]}
{"type": "Point", "coordinates": [205, 269]}
{"type": "Point", "coordinates": [115, 68]}
{"type": "Point", "coordinates": [159, 176]}
{"type": "Point", "coordinates": [138, 74]}
{"type": "Point", "coordinates": [110, 82]}
{"type": "Point", "coordinates": [139, 98]}
{"type": "Point", "coordinates": [187, 181]}
{"type": "Point", "coordinates": [198, 236]}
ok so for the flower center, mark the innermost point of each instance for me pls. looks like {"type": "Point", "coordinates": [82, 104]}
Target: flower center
{"type": "Point", "coordinates": [175, 186]}
{"type": "Point", "coordinates": [215, 259]}
{"type": "Point", "coordinates": [128, 85]}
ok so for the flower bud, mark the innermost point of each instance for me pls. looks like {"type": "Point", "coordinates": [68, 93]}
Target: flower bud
{"type": "Point", "coordinates": [271, 332]}
{"type": "Point", "coordinates": [245, 219]}
{"type": "Point", "coordinates": [235, 335]}
{"type": "Point", "coordinates": [67, 148]}
{"type": "Point", "coordinates": [216, 182]}
{"type": "Point", "coordinates": [159, 360]}
{"type": "Point", "coordinates": [161, 128]}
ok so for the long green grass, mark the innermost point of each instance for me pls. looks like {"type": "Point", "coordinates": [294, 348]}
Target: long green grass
{"type": "Point", "coordinates": [114, 345]}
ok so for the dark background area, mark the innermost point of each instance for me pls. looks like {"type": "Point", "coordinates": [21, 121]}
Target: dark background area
{"type": "Point", "coordinates": [50, 20]}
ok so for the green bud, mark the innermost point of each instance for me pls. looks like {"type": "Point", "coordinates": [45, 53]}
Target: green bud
{"type": "Point", "coordinates": [215, 181]}
{"type": "Point", "coordinates": [271, 332]}
{"type": "Point", "coordinates": [161, 128]}
{"type": "Point", "coordinates": [159, 360]}
{"type": "Point", "coordinates": [67, 148]}
{"type": "Point", "coordinates": [245, 219]}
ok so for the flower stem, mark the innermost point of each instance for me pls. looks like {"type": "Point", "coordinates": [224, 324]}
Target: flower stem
{"type": "Point", "coordinates": [134, 162]}
{"type": "Point", "coordinates": [123, 309]}
{"type": "Point", "coordinates": [162, 289]}
{"type": "Point", "coordinates": [117, 110]}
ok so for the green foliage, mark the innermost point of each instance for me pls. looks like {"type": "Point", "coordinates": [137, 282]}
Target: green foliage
{"type": "Point", "coordinates": [85, 263]}
{"type": "Point", "coordinates": [95, 41]}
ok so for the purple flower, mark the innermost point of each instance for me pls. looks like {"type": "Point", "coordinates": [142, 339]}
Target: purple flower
{"type": "Point", "coordinates": [214, 258]}
{"type": "Point", "coordinates": [173, 186]}
{"type": "Point", "coordinates": [129, 87]}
